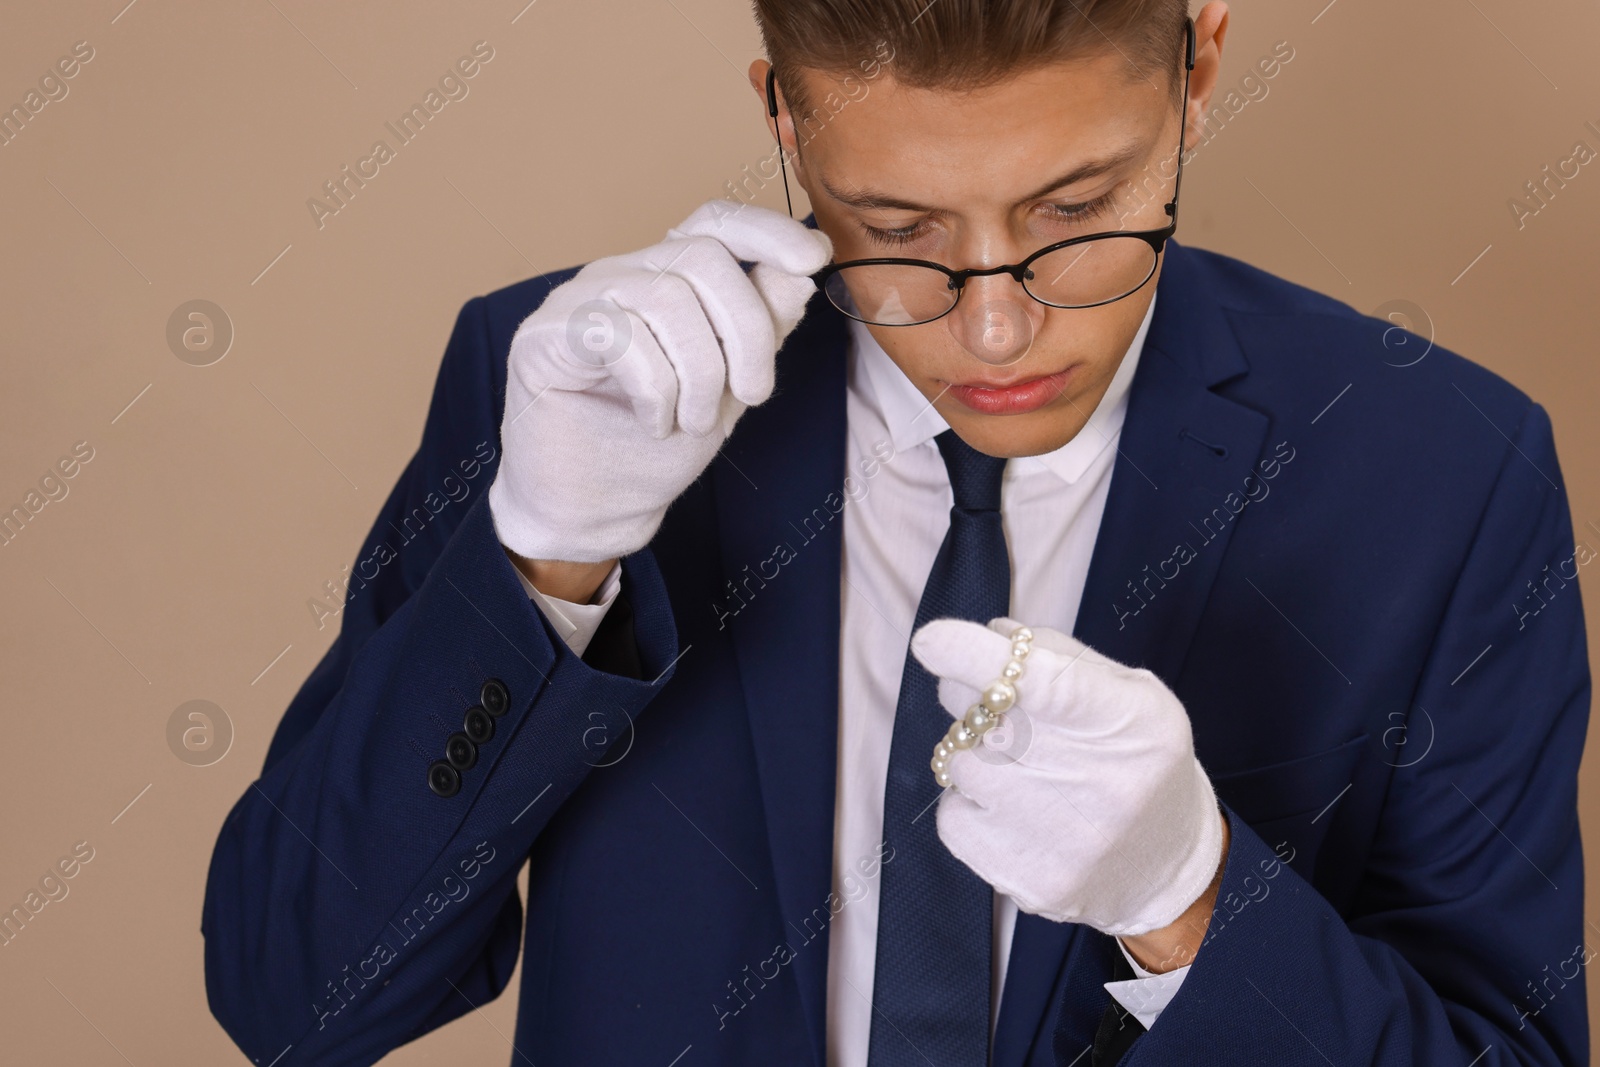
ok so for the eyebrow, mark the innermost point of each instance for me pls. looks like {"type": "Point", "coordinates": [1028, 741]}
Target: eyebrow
{"type": "Point", "coordinates": [868, 199]}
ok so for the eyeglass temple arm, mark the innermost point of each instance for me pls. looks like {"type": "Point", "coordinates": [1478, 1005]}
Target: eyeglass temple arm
{"type": "Point", "coordinates": [1183, 116]}
{"type": "Point", "coordinates": [772, 109]}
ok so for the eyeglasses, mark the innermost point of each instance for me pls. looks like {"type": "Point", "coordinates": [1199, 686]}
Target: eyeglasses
{"type": "Point", "coordinates": [1079, 272]}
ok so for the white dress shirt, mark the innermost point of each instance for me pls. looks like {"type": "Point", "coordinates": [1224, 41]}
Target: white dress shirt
{"type": "Point", "coordinates": [577, 623]}
{"type": "Point", "coordinates": [896, 516]}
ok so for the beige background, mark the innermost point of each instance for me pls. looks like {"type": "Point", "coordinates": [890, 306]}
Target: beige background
{"type": "Point", "coordinates": [1377, 168]}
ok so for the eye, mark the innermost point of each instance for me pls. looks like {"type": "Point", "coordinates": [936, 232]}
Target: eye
{"type": "Point", "coordinates": [1089, 209]}
{"type": "Point", "coordinates": [1086, 211]}
{"type": "Point", "coordinates": [900, 235]}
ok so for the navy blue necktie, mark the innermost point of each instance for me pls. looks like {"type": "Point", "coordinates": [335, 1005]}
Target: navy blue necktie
{"type": "Point", "coordinates": [930, 993]}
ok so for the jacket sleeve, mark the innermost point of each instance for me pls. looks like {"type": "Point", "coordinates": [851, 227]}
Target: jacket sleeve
{"type": "Point", "coordinates": [350, 907]}
{"type": "Point", "coordinates": [1466, 941]}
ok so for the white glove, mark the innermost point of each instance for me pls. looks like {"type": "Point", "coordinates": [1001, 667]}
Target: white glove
{"type": "Point", "coordinates": [623, 384]}
{"type": "Point", "coordinates": [1096, 810]}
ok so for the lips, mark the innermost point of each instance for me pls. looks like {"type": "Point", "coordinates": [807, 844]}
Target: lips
{"type": "Point", "coordinates": [1022, 395]}
{"type": "Point", "coordinates": [1014, 384]}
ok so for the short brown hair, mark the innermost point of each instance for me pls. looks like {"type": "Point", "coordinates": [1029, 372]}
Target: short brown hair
{"type": "Point", "coordinates": [964, 44]}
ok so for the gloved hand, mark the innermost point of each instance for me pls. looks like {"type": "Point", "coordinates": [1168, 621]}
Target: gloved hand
{"type": "Point", "coordinates": [623, 384]}
{"type": "Point", "coordinates": [1099, 813]}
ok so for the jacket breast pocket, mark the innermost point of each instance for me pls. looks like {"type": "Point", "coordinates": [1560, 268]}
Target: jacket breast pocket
{"type": "Point", "coordinates": [1288, 803]}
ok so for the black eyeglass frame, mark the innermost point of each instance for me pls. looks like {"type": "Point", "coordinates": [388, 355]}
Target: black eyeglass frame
{"type": "Point", "coordinates": [957, 279]}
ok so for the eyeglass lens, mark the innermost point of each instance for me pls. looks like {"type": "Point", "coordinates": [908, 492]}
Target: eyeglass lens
{"type": "Point", "coordinates": [1081, 275]}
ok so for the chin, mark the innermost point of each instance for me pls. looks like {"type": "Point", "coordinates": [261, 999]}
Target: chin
{"type": "Point", "coordinates": [1014, 436]}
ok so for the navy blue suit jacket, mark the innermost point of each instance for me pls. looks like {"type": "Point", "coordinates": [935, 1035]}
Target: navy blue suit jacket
{"type": "Point", "coordinates": [1355, 567]}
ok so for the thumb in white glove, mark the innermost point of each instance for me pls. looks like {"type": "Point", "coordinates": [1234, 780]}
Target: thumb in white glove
{"type": "Point", "coordinates": [1097, 811]}
{"type": "Point", "coordinates": [626, 380]}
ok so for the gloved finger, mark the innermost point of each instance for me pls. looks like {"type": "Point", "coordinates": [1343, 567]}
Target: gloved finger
{"type": "Point", "coordinates": [786, 295]}
{"type": "Point", "coordinates": [968, 652]}
{"type": "Point", "coordinates": [959, 808]}
{"type": "Point", "coordinates": [738, 312]}
{"type": "Point", "coordinates": [733, 302]}
{"type": "Point", "coordinates": [1058, 658]}
{"type": "Point", "coordinates": [785, 253]}
{"type": "Point", "coordinates": [981, 839]}
{"type": "Point", "coordinates": [541, 360]}
{"type": "Point", "coordinates": [963, 830]}
{"type": "Point", "coordinates": [679, 326]}
{"type": "Point", "coordinates": [1062, 644]}
{"type": "Point", "coordinates": [752, 370]}
{"type": "Point", "coordinates": [732, 409]}
{"type": "Point", "coordinates": [1003, 850]}
{"type": "Point", "coordinates": [956, 696]}
{"type": "Point", "coordinates": [648, 381]}
{"type": "Point", "coordinates": [759, 235]}
{"type": "Point", "coordinates": [1052, 682]}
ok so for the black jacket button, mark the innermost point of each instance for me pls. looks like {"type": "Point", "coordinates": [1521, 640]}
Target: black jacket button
{"type": "Point", "coordinates": [495, 698]}
{"type": "Point", "coordinates": [460, 751]}
{"type": "Point", "coordinates": [443, 779]}
{"type": "Point", "coordinates": [479, 725]}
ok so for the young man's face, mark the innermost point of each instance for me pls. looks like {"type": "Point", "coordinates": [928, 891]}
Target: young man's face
{"type": "Point", "coordinates": [968, 170]}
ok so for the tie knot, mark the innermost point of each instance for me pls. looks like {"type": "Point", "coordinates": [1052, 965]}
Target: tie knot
{"type": "Point", "coordinates": [974, 476]}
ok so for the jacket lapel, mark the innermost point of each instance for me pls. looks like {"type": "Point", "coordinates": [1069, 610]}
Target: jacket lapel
{"type": "Point", "coordinates": [1183, 449]}
{"type": "Point", "coordinates": [777, 484]}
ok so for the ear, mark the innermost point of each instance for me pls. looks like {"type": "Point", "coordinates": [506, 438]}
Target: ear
{"type": "Point", "coordinates": [780, 127]}
{"type": "Point", "coordinates": [758, 82]}
{"type": "Point", "coordinates": [1210, 29]}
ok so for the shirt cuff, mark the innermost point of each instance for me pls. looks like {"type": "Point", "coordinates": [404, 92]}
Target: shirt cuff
{"type": "Point", "coordinates": [1144, 997]}
{"type": "Point", "coordinates": [577, 623]}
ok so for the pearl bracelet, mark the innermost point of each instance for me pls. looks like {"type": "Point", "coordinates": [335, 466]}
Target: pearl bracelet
{"type": "Point", "coordinates": [998, 696]}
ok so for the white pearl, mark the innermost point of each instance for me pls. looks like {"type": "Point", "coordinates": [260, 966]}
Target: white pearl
{"type": "Point", "coordinates": [943, 750]}
{"type": "Point", "coordinates": [1022, 633]}
{"type": "Point", "coordinates": [999, 696]}
{"type": "Point", "coordinates": [978, 719]}
{"type": "Point", "coordinates": [961, 736]}
{"type": "Point", "coordinates": [1019, 651]}
{"type": "Point", "coordinates": [1012, 671]}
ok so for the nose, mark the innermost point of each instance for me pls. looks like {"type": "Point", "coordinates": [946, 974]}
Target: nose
{"type": "Point", "coordinates": [995, 320]}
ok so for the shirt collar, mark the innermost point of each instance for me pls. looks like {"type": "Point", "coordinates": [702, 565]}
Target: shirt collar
{"type": "Point", "coordinates": [911, 420]}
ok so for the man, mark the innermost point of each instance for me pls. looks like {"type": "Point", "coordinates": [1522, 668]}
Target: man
{"type": "Point", "coordinates": [1068, 647]}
